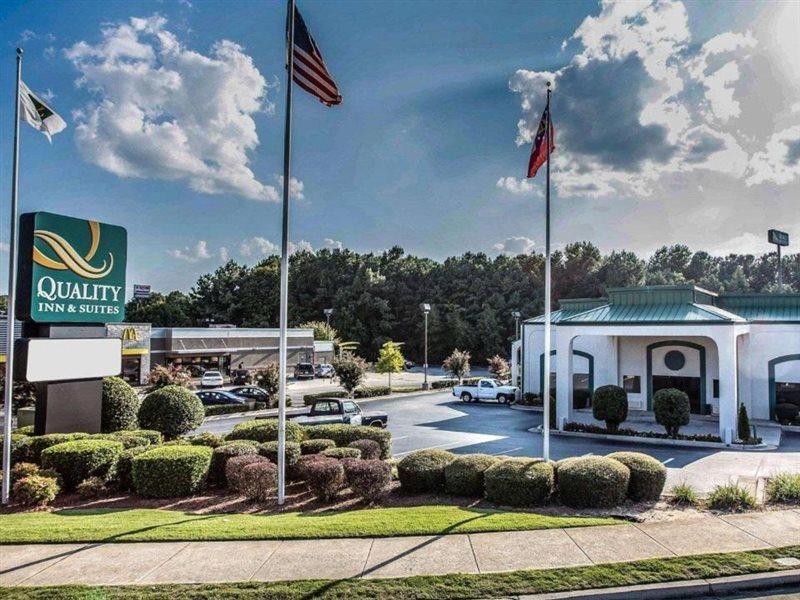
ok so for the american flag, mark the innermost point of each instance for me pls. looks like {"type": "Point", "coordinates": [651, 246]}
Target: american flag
{"type": "Point", "coordinates": [310, 72]}
{"type": "Point", "coordinates": [541, 150]}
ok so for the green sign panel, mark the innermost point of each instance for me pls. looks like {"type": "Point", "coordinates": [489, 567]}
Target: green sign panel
{"type": "Point", "coordinates": [70, 270]}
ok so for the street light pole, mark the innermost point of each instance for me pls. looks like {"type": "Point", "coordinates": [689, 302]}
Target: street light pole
{"type": "Point", "coordinates": [328, 312]}
{"type": "Point", "coordinates": [516, 314]}
{"type": "Point", "coordinates": [779, 238]}
{"type": "Point", "coordinates": [426, 308]}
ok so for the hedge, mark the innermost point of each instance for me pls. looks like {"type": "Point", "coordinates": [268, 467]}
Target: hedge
{"type": "Point", "coordinates": [20, 448]}
{"type": "Point", "coordinates": [345, 434]}
{"type": "Point", "coordinates": [367, 478]}
{"type": "Point", "coordinates": [171, 471]}
{"type": "Point", "coordinates": [124, 477]}
{"type": "Point", "coordinates": [154, 436]}
{"type": "Point", "coordinates": [371, 392]}
{"type": "Point", "coordinates": [370, 449]}
{"type": "Point", "coordinates": [443, 383]}
{"type": "Point", "coordinates": [423, 470]}
{"type": "Point", "coordinates": [309, 399]}
{"type": "Point", "coordinates": [173, 410]}
{"type": "Point", "coordinates": [37, 444]}
{"type": "Point", "coordinates": [120, 406]}
{"type": "Point", "coordinates": [519, 481]}
{"type": "Point", "coordinates": [127, 438]}
{"type": "Point", "coordinates": [225, 409]}
{"type": "Point", "coordinates": [648, 475]}
{"type": "Point", "coordinates": [221, 454]}
{"type": "Point", "coordinates": [265, 430]}
{"type": "Point", "coordinates": [81, 459]}
{"type": "Point", "coordinates": [464, 476]}
{"type": "Point", "coordinates": [592, 482]}
{"type": "Point", "coordinates": [317, 446]}
{"type": "Point", "coordinates": [270, 450]}
{"type": "Point", "coordinates": [342, 453]}
{"type": "Point", "coordinates": [212, 440]}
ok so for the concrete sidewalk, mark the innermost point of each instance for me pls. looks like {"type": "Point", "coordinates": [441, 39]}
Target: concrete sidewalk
{"type": "Point", "coordinates": [196, 562]}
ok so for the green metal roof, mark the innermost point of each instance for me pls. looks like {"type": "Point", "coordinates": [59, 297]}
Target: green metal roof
{"type": "Point", "coordinates": [556, 316]}
{"type": "Point", "coordinates": [652, 314]}
{"type": "Point", "coordinates": [661, 294]}
{"type": "Point", "coordinates": [569, 307]}
{"type": "Point", "coordinates": [763, 307]}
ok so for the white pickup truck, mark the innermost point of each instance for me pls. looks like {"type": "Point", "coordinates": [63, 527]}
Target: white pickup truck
{"type": "Point", "coordinates": [486, 389]}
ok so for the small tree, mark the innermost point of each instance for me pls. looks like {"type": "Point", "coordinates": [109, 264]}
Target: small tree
{"type": "Point", "coordinates": [672, 409]}
{"type": "Point", "coordinates": [610, 404]}
{"type": "Point", "coordinates": [322, 331]}
{"type": "Point", "coordinates": [24, 393]}
{"type": "Point", "coordinates": [743, 424]}
{"type": "Point", "coordinates": [498, 366]}
{"type": "Point", "coordinates": [457, 364]}
{"type": "Point", "coordinates": [268, 379]}
{"type": "Point", "coordinates": [161, 376]}
{"type": "Point", "coordinates": [350, 370]}
{"type": "Point", "coordinates": [390, 360]}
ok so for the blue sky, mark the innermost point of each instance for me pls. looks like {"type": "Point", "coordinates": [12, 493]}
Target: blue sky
{"type": "Point", "coordinates": [667, 137]}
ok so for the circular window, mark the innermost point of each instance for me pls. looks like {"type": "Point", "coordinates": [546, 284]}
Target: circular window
{"type": "Point", "coordinates": [675, 360]}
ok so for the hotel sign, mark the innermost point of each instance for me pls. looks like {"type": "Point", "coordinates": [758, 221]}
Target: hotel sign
{"type": "Point", "coordinates": [70, 270]}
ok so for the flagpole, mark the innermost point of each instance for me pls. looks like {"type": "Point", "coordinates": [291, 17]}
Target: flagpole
{"type": "Point", "coordinates": [8, 395]}
{"type": "Point", "coordinates": [287, 153]}
{"type": "Point", "coordinates": [546, 370]}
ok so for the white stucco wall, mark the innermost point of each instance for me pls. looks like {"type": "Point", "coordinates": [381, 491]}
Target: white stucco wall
{"type": "Point", "coordinates": [768, 341]}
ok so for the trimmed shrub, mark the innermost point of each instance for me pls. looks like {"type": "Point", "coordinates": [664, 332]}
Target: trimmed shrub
{"type": "Point", "coordinates": [743, 424]}
{"type": "Point", "coordinates": [731, 497]}
{"type": "Point", "coordinates": [786, 413]}
{"type": "Point", "coordinates": [672, 409]}
{"type": "Point", "coordinates": [367, 478]}
{"type": "Point", "coordinates": [342, 453]}
{"type": "Point", "coordinates": [26, 430]}
{"type": "Point", "coordinates": [90, 488]}
{"type": "Point", "coordinates": [324, 477]}
{"type": "Point", "coordinates": [519, 481]}
{"type": "Point", "coordinates": [423, 470]}
{"type": "Point", "coordinates": [342, 435]}
{"type": "Point", "coordinates": [265, 430]}
{"type": "Point", "coordinates": [35, 490]}
{"type": "Point", "coordinates": [370, 449]}
{"type": "Point", "coordinates": [648, 475]}
{"type": "Point", "coordinates": [316, 446]}
{"type": "Point", "coordinates": [212, 440]}
{"type": "Point", "coordinates": [309, 399]}
{"type": "Point", "coordinates": [443, 383]}
{"type": "Point", "coordinates": [124, 477]}
{"type": "Point", "coordinates": [683, 494]}
{"type": "Point", "coordinates": [173, 410]}
{"type": "Point", "coordinates": [127, 438]}
{"type": "Point", "coordinates": [81, 459]}
{"type": "Point", "coordinates": [170, 471]}
{"type": "Point", "coordinates": [23, 469]}
{"type": "Point", "coordinates": [371, 392]}
{"type": "Point", "coordinates": [610, 404]}
{"type": "Point", "coordinates": [464, 475]}
{"type": "Point", "coordinates": [39, 443]}
{"type": "Point", "coordinates": [20, 448]}
{"type": "Point", "coordinates": [154, 436]}
{"type": "Point", "coordinates": [258, 480]}
{"type": "Point", "coordinates": [592, 482]}
{"type": "Point", "coordinates": [221, 454]}
{"type": "Point", "coordinates": [234, 466]}
{"type": "Point", "coordinates": [292, 452]}
{"type": "Point", "coordinates": [783, 487]}
{"type": "Point", "coordinates": [120, 406]}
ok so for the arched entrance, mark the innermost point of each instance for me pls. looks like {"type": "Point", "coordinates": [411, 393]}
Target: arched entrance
{"type": "Point", "coordinates": [781, 390]}
{"type": "Point", "coordinates": [695, 387]}
{"type": "Point", "coordinates": [582, 383]}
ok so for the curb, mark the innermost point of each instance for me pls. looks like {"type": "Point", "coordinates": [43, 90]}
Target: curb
{"type": "Point", "coordinates": [682, 589]}
{"type": "Point", "coordinates": [526, 408]}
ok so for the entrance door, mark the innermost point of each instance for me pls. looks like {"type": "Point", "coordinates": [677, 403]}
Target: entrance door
{"type": "Point", "coordinates": [689, 385]}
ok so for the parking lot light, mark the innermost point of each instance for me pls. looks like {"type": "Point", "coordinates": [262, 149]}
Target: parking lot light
{"type": "Point", "coordinates": [426, 308]}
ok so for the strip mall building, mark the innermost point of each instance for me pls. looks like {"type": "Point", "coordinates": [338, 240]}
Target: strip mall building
{"type": "Point", "coordinates": [721, 349]}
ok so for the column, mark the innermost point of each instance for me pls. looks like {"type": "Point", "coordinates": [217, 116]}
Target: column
{"type": "Point", "coordinates": [563, 361]}
{"type": "Point", "coordinates": [728, 383]}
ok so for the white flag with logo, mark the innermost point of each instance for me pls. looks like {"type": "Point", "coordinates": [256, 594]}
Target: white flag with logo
{"type": "Point", "coordinates": [36, 113]}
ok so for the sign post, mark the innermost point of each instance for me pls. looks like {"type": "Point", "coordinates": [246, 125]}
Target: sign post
{"type": "Point", "coordinates": [779, 238]}
{"type": "Point", "coordinates": [141, 292]}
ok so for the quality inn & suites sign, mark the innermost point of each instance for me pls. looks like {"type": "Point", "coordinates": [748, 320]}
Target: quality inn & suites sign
{"type": "Point", "coordinates": [70, 270]}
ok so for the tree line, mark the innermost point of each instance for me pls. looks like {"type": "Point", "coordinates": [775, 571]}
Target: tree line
{"type": "Point", "coordinates": [376, 297]}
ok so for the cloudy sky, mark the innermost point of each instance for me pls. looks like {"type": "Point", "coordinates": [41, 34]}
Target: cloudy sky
{"type": "Point", "coordinates": [675, 122]}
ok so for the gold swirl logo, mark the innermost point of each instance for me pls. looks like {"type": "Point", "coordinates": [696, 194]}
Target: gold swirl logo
{"type": "Point", "coordinates": [71, 258]}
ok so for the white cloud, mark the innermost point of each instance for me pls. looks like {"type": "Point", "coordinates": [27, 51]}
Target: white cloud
{"type": "Point", "coordinates": [224, 254]}
{"type": "Point", "coordinates": [515, 245]}
{"type": "Point", "coordinates": [779, 161]}
{"type": "Point", "coordinates": [746, 243]}
{"type": "Point", "coordinates": [162, 111]}
{"type": "Point", "coordinates": [519, 187]}
{"type": "Point", "coordinates": [295, 187]}
{"type": "Point", "coordinates": [301, 246]}
{"type": "Point", "coordinates": [194, 254]}
{"type": "Point", "coordinates": [332, 244]}
{"type": "Point", "coordinates": [259, 247]}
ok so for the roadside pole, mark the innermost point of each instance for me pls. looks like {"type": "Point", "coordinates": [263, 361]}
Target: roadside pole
{"type": "Point", "coordinates": [546, 370]}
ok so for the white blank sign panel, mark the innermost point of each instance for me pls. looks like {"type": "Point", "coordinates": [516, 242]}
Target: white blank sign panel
{"type": "Point", "coordinates": [59, 360]}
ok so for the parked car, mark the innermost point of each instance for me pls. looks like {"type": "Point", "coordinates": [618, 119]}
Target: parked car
{"type": "Point", "coordinates": [329, 411]}
{"type": "Point", "coordinates": [195, 370]}
{"type": "Point", "coordinates": [409, 364]}
{"type": "Point", "coordinates": [211, 379]}
{"type": "Point", "coordinates": [251, 392]}
{"type": "Point", "coordinates": [323, 370]}
{"type": "Point", "coordinates": [304, 371]}
{"type": "Point", "coordinates": [486, 389]}
{"type": "Point", "coordinates": [240, 376]}
{"type": "Point", "coordinates": [220, 397]}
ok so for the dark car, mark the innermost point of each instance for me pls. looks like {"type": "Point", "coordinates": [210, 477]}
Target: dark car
{"type": "Point", "coordinates": [251, 392]}
{"type": "Point", "coordinates": [195, 370]}
{"type": "Point", "coordinates": [304, 371]}
{"type": "Point", "coordinates": [240, 376]}
{"type": "Point", "coordinates": [331, 411]}
{"type": "Point", "coordinates": [220, 397]}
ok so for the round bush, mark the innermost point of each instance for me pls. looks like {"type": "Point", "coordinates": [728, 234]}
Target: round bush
{"type": "Point", "coordinates": [81, 459]}
{"type": "Point", "coordinates": [23, 469]}
{"type": "Point", "coordinates": [173, 410]}
{"type": "Point", "coordinates": [367, 478]}
{"type": "Point", "coordinates": [258, 480]}
{"type": "Point", "coordinates": [26, 430]}
{"type": "Point", "coordinates": [370, 449]}
{"type": "Point", "coordinates": [120, 406]}
{"type": "Point", "coordinates": [38, 443]}
{"type": "Point", "coordinates": [324, 477]}
{"type": "Point", "coordinates": [648, 475]}
{"type": "Point", "coordinates": [592, 482]}
{"type": "Point", "coordinates": [170, 471]}
{"type": "Point", "coordinates": [20, 448]}
{"type": "Point", "coordinates": [124, 477]}
{"type": "Point", "coordinates": [315, 446]}
{"type": "Point", "coordinates": [265, 430]}
{"type": "Point", "coordinates": [344, 434]}
{"type": "Point", "coordinates": [128, 439]}
{"type": "Point", "coordinates": [154, 436]}
{"type": "Point", "coordinates": [91, 488]}
{"type": "Point", "coordinates": [519, 481]}
{"type": "Point", "coordinates": [221, 454]}
{"type": "Point", "coordinates": [464, 476]}
{"type": "Point", "coordinates": [270, 450]}
{"type": "Point", "coordinates": [610, 404]}
{"type": "Point", "coordinates": [786, 413]}
{"type": "Point", "coordinates": [423, 470]}
{"type": "Point", "coordinates": [672, 410]}
{"type": "Point", "coordinates": [35, 490]}
{"type": "Point", "coordinates": [212, 440]}
{"type": "Point", "coordinates": [342, 453]}
{"type": "Point", "coordinates": [234, 466]}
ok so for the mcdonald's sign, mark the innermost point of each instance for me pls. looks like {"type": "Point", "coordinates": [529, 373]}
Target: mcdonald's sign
{"type": "Point", "coordinates": [130, 334]}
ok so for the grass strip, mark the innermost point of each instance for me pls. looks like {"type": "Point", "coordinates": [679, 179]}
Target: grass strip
{"type": "Point", "coordinates": [156, 525]}
{"type": "Point", "coordinates": [442, 587]}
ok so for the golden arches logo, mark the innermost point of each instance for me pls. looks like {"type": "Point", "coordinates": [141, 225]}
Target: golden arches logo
{"type": "Point", "coordinates": [71, 258]}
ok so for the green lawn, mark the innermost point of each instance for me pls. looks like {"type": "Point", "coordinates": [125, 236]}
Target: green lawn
{"type": "Point", "coordinates": [152, 525]}
{"type": "Point", "coordinates": [444, 587]}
